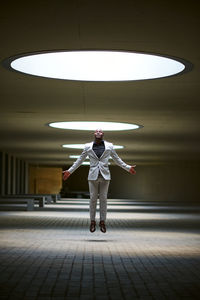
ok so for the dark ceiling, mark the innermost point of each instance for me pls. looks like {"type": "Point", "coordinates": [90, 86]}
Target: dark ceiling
{"type": "Point", "coordinates": [168, 108]}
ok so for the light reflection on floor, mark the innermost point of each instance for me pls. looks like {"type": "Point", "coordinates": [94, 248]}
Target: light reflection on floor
{"type": "Point", "coordinates": [147, 243]}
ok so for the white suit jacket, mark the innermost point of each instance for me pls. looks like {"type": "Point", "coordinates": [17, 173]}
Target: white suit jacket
{"type": "Point", "coordinates": [99, 164]}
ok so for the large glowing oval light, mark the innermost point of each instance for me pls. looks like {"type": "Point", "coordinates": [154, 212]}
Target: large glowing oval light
{"type": "Point", "coordinates": [105, 126]}
{"type": "Point", "coordinates": [97, 65]}
{"type": "Point", "coordinates": [81, 146]}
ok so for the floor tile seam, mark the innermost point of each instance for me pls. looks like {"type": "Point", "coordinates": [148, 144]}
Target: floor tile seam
{"type": "Point", "coordinates": [117, 276]}
{"type": "Point", "coordinates": [70, 276]}
{"type": "Point", "coordinates": [44, 279]}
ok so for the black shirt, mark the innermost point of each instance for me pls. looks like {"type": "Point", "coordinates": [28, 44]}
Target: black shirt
{"type": "Point", "coordinates": [98, 148]}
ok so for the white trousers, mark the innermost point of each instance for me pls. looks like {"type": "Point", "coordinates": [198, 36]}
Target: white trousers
{"type": "Point", "coordinates": [99, 188]}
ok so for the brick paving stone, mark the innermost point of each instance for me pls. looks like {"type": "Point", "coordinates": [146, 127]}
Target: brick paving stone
{"type": "Point", "coordinates": [86, 297]}
{"type": "Point", "coordinates": [50, 254]}
{"type": "Point", "coordinates": [98, 297]}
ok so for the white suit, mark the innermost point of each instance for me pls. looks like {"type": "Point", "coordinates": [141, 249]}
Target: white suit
{"type": "Point", "coordinates": [99, 175]}
{"type": "Point", "coordinates": [99, 164]}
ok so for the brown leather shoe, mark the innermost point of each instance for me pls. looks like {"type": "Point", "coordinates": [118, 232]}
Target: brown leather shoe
{"type": "Point", "coordinates": [92, 226]}
{"type": "Point", "coordinates": [102, 226]}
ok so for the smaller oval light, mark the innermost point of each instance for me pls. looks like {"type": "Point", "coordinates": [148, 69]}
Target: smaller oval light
{"type": "Point", "coordinates": [81, 146]}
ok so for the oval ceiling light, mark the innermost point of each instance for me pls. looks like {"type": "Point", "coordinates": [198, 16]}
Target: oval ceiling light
{"type": "Point", "coordinates": [81, 146]}
{"type": "Point", "coordinates": [97, 65]}
{"type": "Point", "coordinates": [92, 126]}
{"type": "Point", "coordinates": [87, 163]}
{"type": "Point", "coordinates": [77, 156]}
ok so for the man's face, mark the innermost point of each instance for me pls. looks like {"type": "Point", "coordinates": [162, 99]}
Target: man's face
{"type": "Point", "coordinates": [98, 134]}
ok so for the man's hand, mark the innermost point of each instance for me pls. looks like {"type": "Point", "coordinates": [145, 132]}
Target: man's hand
{"type": "Point", "coordinates": [66, 174]}
{"type": "Point", "coordinates": [132, 170]}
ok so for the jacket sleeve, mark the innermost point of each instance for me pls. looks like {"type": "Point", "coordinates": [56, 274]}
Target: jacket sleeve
{"type": "Point", "coordinates": [78, 162]}
{"type": "Point", "coordinates": [119, 161]}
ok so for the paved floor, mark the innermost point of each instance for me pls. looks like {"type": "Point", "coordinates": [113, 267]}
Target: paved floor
{"type": "Point", "coordinates": [148, 252]}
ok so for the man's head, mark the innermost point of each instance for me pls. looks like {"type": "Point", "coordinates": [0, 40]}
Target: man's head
{"type": "Point", "coordinates": [98, 134]}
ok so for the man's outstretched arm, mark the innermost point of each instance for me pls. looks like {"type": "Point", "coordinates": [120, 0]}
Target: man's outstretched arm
{"type": "Point", "coordinates": [75, 165]}
{"type": "Point", "coordinates": [121, 163]}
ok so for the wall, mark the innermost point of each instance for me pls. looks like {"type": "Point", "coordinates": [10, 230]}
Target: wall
{"type": "Point", "coordinates": [168, 182]}
{"type": "Point", "coordinates": [161, 182]}
{"type": "Point", "coordinates": [76, 182]}
{"type": "Point", "coordinates": [45, 180]}
{"type": "Point", "coordinates": [13, 175]}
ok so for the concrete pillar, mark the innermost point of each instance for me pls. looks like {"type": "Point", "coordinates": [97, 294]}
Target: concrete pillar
{"type": "Point", "coordinates": [2, 176]}
{"type": "Point", "coordinates": [14, 175]}
{"type": "Point", "coordinates": [21, 176]}
{"type": "Point", "coordinates": [8, 179]}
{"type": "Point", "coordinates": [26, 179]}
{"type": "Point", "coordinates": [17, 176]}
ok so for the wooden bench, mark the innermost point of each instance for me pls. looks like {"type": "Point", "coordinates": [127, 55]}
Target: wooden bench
{"type": "Point", "coordinates": [21, 199]}
{"type": "Point", "coordinates": [29, 202]}
{"type": "Point", "coordinates": [77, 194]}
{"type": "Point", "coordinates": [46, 197]}
{"type": "Point", "coordinates": [49, 198]}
